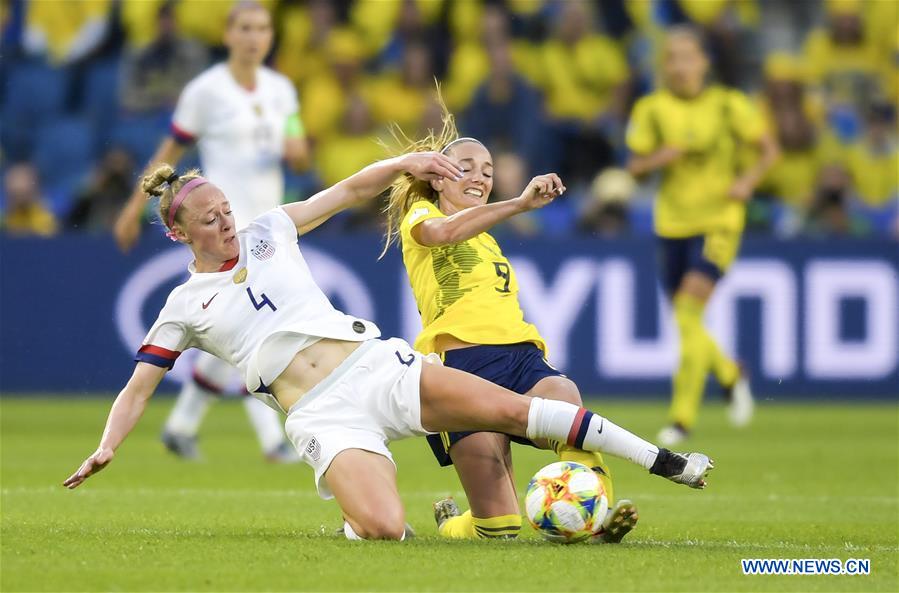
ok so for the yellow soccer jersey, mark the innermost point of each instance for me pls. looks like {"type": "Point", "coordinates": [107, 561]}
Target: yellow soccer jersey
{"type": "Point", "coordinates": [710, 129]}
{"type": "Point", "coordinates": [467, 290]}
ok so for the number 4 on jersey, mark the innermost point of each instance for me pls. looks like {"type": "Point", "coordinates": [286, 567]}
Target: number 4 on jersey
{"type": "Point", "coordinates": [260, 304]}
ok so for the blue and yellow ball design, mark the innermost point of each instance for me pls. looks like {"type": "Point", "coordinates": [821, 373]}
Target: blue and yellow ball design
{"type": "Point", "coordinates": [566, 502]}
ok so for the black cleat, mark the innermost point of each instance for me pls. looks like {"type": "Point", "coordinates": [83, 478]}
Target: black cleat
{"type": "Point", "coordinates": [689, 469]}
{"type": "Point", "coordinates": [181, 445]}
{"type": "Point", "coordinates": [620, 520]}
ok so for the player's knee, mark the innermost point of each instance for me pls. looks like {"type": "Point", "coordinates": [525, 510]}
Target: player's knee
{"type": "Point", "coordinates": [382, 524]}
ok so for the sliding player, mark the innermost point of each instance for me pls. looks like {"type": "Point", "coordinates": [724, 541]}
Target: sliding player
{"type": "Point", "coordinates": [467, 295]}
{"type": "Point", "coordinates": [346, 393]}
{"type": "Point", "coordinates": [244, 118]}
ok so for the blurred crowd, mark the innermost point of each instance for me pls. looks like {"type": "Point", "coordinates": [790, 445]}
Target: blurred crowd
{"type": "Point", "coordinates": [547, 85]}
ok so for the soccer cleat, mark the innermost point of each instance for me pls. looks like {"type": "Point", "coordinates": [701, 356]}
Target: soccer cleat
{"type": "Point", "coordinates": [445, 509]}
{"type": "Point", "coordinates": [672, 435]}
{"type": "Point", "coordinates": [742, 404]}
{"type": "Point", "coordinates": [410, 533]}
{"type": "Point", "coordinates": [619, 521]}
{"type": "Point", "coordinates": [283, 453]}
{"type": "Point", "coordinates": [181, 445]}
{"type": "Point", "coordinates": [689, 469]}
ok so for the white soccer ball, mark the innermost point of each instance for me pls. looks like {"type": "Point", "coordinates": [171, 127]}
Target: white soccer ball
{"type": "Point", "coordinates": [566, 502]}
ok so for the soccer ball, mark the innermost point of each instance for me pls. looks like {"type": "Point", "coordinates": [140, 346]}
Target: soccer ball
{"type": "Point", "coordinates": [566, 502]}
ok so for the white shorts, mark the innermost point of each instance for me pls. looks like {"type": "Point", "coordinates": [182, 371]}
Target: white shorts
{"type": "Point", "coordinates": [372, 398]}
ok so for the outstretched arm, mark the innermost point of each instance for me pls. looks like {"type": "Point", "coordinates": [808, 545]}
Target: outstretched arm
{"type": "Point", "coordinates": [126, 411]}
{"type": "Point", "coordinates": [367, 184]}
{"type": "Point", "coordinates": [471, 222]}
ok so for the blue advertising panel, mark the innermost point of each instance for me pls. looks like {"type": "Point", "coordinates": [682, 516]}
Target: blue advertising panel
{"type": "Point", "coordinates": [808, 318]}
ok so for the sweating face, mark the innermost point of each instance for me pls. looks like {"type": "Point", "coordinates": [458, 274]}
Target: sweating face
{"type": "Point", "coordinates": [206, 222]}
{"type": "Point", "coordinates": [477, 178]}
{"type": "Point", "coordinates": [685, 65]}
{"type": "Point", "coordinates": [249, 36]}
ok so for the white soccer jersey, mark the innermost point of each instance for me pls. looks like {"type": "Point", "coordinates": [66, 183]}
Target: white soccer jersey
{"type": "Point", "coordinates": [266, 293]}
{"type": "Point", "coordinates": [240, 135]}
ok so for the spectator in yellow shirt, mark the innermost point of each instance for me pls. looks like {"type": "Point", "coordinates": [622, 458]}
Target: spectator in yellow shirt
{"type": "Point", "coordinates": [404, 97]}
{"type": "Point", "coordinates": [872, 162]}
{"type": "Point", "coordinates": [305, 34]}
{"type": "Point", "coordinates": [325, 94]}
{"type": "Point", "coordinates": [791, 115]}
{"type": "Point", "coordinates": [26, 214]}
{"type": "Point", "coordinates": [842, 62]}
{"type": "Point", "coordinates": [585, 72]}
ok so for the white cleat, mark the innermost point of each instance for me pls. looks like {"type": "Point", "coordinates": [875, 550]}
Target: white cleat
{"type": "Point", "coordinates": [689, 469]}
{"type": "Point", "coordinates": [620, 520]}
{"type": "Point", "coordinates": [671, 435]}
{"type": "Point", "coordinates": [695, 471]}
{"type": "Point", "coordinates": [742, 405]}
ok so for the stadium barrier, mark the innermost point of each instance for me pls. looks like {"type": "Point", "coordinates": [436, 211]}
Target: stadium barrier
{"type": "Point", "coordinates": [809, 318]}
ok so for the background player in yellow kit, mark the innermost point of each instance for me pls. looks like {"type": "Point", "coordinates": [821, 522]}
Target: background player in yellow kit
{"type": "Point", "coordinates": [698, 136]}
{"type": "Point", "coordinates": [467, 295]}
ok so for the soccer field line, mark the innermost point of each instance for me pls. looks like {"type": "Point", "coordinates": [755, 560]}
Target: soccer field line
{"type": "Point", "coordinates": [428, 494]}
{"type": "Point", "coordinates": [736, 545]}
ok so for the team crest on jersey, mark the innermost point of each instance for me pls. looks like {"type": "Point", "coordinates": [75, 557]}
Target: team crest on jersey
{"type": "Point", "coordinates": [314, 449]}
{"type": "Point", "coordinates": [240, 275]}
{"type": "Point", "coordinates": [263, 250]}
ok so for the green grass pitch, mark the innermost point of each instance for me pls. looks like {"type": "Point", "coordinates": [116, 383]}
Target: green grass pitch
{"type": "Point", "coordinates": [805, 481]}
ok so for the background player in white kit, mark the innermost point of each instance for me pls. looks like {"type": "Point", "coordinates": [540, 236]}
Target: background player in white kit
{"type": "Point", "coordinates": [244, 118]}
{"type": "Point", "coordinates": [346, 393]}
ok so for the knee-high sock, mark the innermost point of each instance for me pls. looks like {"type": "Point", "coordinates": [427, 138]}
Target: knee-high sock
{"type": "Point", "coordinates": [502, 526]}
{"type": "Point", "coordinates": [582, 429]}
{"type": "Point", "coordinates": [699, 353]}
{"type": "Point", "coordinates": [466, 526]}
{"type": "Point", "coordinates": [190, 408]}
{"type": "Point", "coordinates": [593, 460]}
{"type": "Point", "coordinates": [266, 423]}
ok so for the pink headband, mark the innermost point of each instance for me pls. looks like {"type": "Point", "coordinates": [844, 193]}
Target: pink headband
{"type": "Point", "coordinates": [179, 199]}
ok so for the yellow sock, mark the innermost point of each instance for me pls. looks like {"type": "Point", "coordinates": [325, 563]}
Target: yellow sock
{"type": "Point", "coordinates": [592, 459]}
{"type": "Point", "coordinates": [723, 366]}
{"type": "Point", "coordinates": [504, 526]}
{"type": "Point", "coordinates": [694, 363]}
{"type": "Point", "coordinates": [461, 527]}
{"type": "Point", "coordinates": [467, 527]}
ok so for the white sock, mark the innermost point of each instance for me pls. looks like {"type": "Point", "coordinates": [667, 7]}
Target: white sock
{"type": "Point", "coordinates": [350, 534]}
{"type": "Point", "coordinates": [189, 410]}
{"type": "Point", "coordinates": [266, 423]}
{"type": "Point", "coordinates": [582, 429]}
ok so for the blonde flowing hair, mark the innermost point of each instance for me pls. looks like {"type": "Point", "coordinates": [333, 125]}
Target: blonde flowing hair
{"type": "Point", "coordinates": [164, 184]}
{"type": "Point", "coordinates": [407, 190]}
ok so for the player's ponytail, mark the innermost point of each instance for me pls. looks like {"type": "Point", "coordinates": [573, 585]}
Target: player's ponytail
{"type": "Point", "coordinates": [164, 183]}
{"type": "Point", "coordinates": [407, 190]}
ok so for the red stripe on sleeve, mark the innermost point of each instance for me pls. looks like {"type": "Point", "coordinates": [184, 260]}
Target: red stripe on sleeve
{"type": "Point", "coordinates": [182, 136]}
{"type": "Point", "coordinates": [159, 351]}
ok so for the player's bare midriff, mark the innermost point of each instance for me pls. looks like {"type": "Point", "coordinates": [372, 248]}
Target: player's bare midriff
{"type": "Point", "coordinates": [308, 368]}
